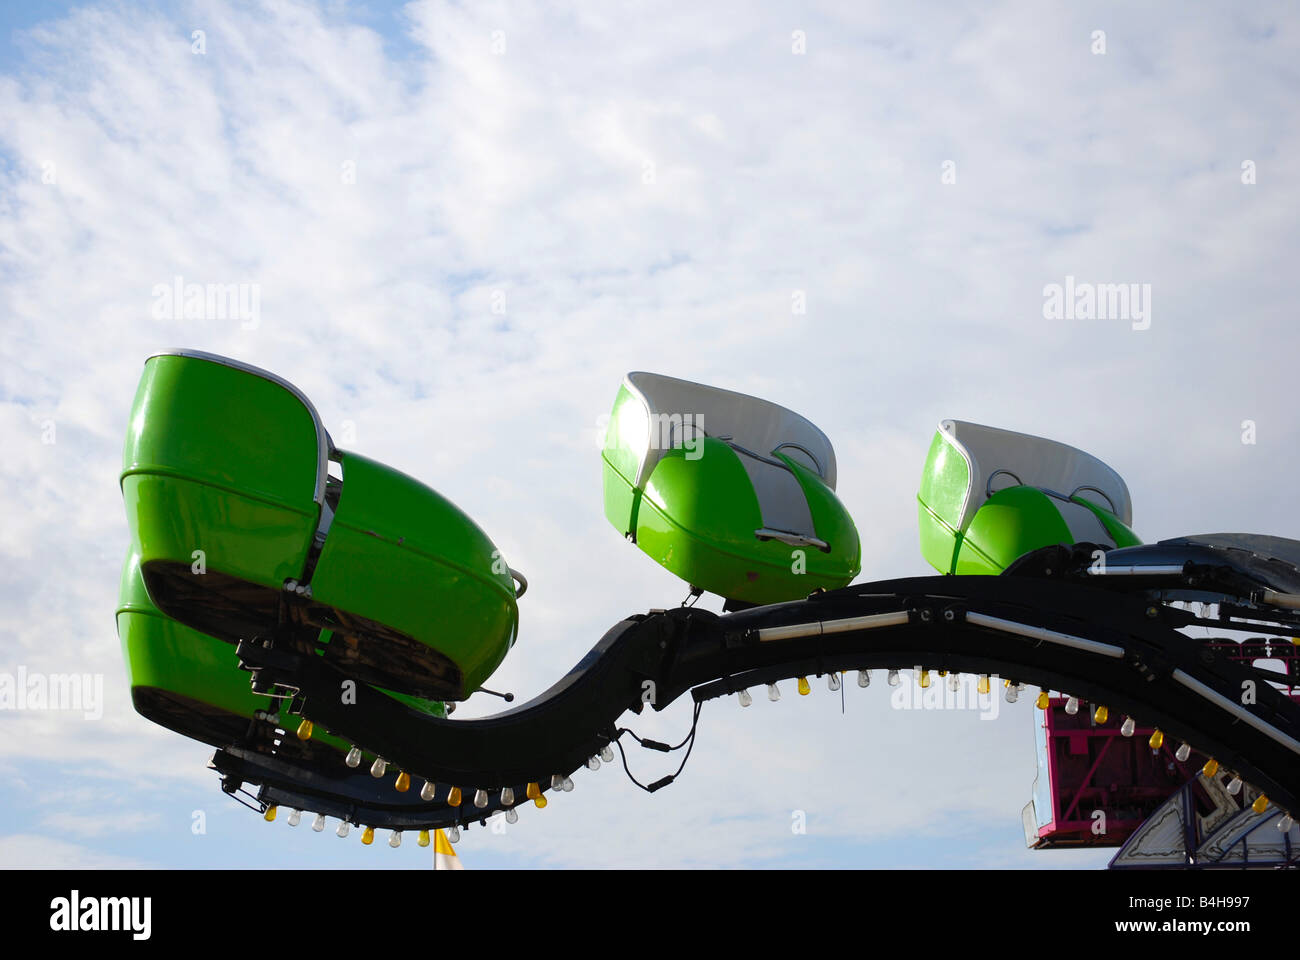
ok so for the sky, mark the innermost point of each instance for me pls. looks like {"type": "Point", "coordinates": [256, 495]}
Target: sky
{"type": "Point", "coordinates": [464, 223]}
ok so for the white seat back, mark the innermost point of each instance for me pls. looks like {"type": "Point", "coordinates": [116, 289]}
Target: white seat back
{"type": "Point", "coordinates": [1001, 458]}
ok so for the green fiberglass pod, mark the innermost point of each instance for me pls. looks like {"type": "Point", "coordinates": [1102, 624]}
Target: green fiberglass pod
{"type": "Point", "coordinates": [733, 494]}
{"type": "Point", "coordinates": [989, 496]}
{"type": "Point", "coordinates": [192, 683]}
{"type": "Point", "coordinates": [243, 528]}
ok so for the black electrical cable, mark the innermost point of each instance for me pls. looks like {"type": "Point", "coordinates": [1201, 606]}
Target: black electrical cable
{"type": "Point", "coordinates": [689, 743]}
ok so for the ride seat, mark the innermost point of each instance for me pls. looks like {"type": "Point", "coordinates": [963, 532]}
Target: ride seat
{"type": "Point", "coordinates": [1032, 491]}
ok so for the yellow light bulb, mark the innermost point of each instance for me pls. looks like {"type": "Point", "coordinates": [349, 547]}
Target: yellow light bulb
{"type": "Point", "coordinates": [925, 679]}
{"type": "Point", "coordinates": [424, 838]}
{"type": "Point", "coordinates": [1101, 716]}
{"type": "Point", "coordinates": [453, 797]}
{"type": "Point", "coordinates": [403, 782]}
{"type": "Point", "coordinates": [1260, 804]}
{"type": "Point", "coordinates": [270, 813]}
{"type": "Point", "coordinates": [540, 801]}
{"type": "Point", "coordinates": [1043, 700]}
{"type": "Point", "coordinates": [1211, 767]}
{"type": "Point", "coordinates": [804, 689]}
{"type": "Point", "coordinates": [368, 836]}
{"type": "Point", "coordinates": [983, 685]}
{"type": "Point", "coordinates": [304, 730]}
{"type": "Point", "coordinates": [533, 791]}
{"type": "Point", "coordinates": [1157, 740]}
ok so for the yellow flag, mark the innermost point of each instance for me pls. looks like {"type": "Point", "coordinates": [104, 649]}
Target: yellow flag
{"type": "Point", "coordinates": [444, 854]}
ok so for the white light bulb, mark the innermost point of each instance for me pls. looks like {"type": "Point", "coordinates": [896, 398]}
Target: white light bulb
{"type": "Point", "coordinates": [353, 759]}
{"type": "Point", "coordinates": [864, 678]}
{"type": "Point", "coordinates": [453, 833]}
{"type": "Point", "coordinates": [566, 785]}
{"type": "Point", "coordinates": [378, 767]}
{"type": "Point", "coordinates": [1013, 693]}
{"type": "Point", "coordinates": [557, 782]}
{"type": "Point", "coordinates": [507, 796]}
{"type": "Point", "coordinates": [1234, 786]}
{"type": "Point", "coordinates": [593, 763]}
{"type": "Point", "coordinates": [319, 823]}
{"type": "Point", "coordinates": [1127, 727]}
{"type": "Point", "coordinates": [395, 838]}
{"type": "Point", "coordinates": [833, 681]}
{"type": "Point", "coordinates": [1182, 753]}
{"type": "Point", "coordinates": [342, 831]}
{"type": "Point", "coordinates": [1072, 706]}
{"type": "Point", "coordinates": [295, 817]}
{"type": "Point", "coordinates": [893, 678]}
{"type": "Point", "coordinates": [607, 753]}
{"type": "Point", "coordinates": [512, 815]}
{"type": "Point", "coordinates": [744, 698]}
{"type": "Point", "coordinates": [480, 798]}
{"type": "Point", "coordinates": [773, 692]}
{"type": "Point", "coordinates": [427, 791]}
{"type": "Point", "coordinates": [1285, 823]}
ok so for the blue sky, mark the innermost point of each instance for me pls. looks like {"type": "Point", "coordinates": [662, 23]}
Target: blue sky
{"type": "Point", "coordinates": [637, 186]}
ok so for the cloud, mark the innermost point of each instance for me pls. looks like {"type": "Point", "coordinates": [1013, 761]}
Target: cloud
{"type": "Point", "coordinates": [644, 187]}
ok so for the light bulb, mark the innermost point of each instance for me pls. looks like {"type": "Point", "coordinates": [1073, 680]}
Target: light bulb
{"type": "Point", "coordinates": [864, 678]}
{"type": "Point", "coordinates": [954, 682]}
{"type": "Point", "coordinates": [353, 758]}
{"type": "Point", "coordinates": [1285, 823]}
{"type": "Point", "coordinates": [270, 813]}
{"type": "Point", "coordinates": [368, 836]}
{"type": "Point", "coordinates": [1211, 767]}
{"type": "Point", "coordinates": [892, 678]}
{"type": "Point", "coordinates": [295, 818]}
{"type": "Point", "coordinates": [593, 763]}
{"type": "Point", "coordinates": [566, 785]}
{"type": "Point", "coordinates": [1072, 705]}
{"type": "Point", "coordinates": [507, 796]}
{"type": "Point", "coordinates": [942, 673]}
{"type": "Point", "coordinates": [1182, 753]}
{"type": "Point", "coordinates": [1127, 727]}
{"type": "Point", "coordinates": [924, 679]}
{"type": "Point", "coordinates": [304, 730]}
{"type": "Point", "coordinates": [427, 791]}
{"type": "Point", "coordinates": [453, 797]}
{"type": "Point", "coordinates": [379, 767]}
{"type": "Point", "coordinates": [983, 685]}
{"type": "Point", "coordinates": [1043, 700]}
{"type": "Point", "coordinates": [1234, 786]}
{"type": "Point", "coordinates": [1157, 740]}
{"type": "Point", "coordinates": [424, 838]}
{"type": "Point", "coordinates": [512, 815]}
{"type": "Point", "coordinates": [744, 698]}
{"type": "Point", "coordinates": [534, 791]}
{"type": "Point", "coordinates": [403, 782]}
{"type": "Point", "coordinates": [773, 692]}
{"type": "Point", "coordinates": [833, 681]}
{"type": "Point", "coordinates": [1101, 715]}
{"type": "Point", "coordinates": [539, 801]}
{"type": "Point", "coordinates": [453, 834]}
{"type": "Point", "coordinates": [480, 798]}
{"type": "Point", "coordinates": [342, 831]}
{"type": "Point", "coordinates": [1260, 804]}
{"type": "Point", "coordinates": [804, 689]}
{"type": "Point", "coordinates": [319, 823]}
{"type": "Point", "coordinates": [1013, 692]}
{"type": "Point", "coordinates": [395, 838]}
{"type": "Point", "coordinates": [557, 782]}
{"type": "Point", "coordinates": [607, 753]}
